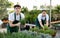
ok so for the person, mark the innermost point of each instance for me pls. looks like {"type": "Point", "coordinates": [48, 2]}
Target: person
{"type": "Point", "coordinates": [5, 22]}
{"type": "Point", "coordinates": [1, 22]}
{"type": "Point", "coordinates": [42, 19]}
{"type": "Point", "coordinates": [14, 19]}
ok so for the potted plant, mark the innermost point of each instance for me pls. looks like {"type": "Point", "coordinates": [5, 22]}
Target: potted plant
{"type": "Point", "coordinates": [22, 21]}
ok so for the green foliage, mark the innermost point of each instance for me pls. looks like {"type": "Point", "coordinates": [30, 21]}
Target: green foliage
{"type": "Point", "coordinates": [17, 35]}
{"type": "Point", "coordinates": [57, 9]}
{"type": "Point", "coordinates": [46, 27]}
{"type": "Point", "coordinates": [1, 35]}
{"type": "Point", "coordinates": [34, 29]}
{"type": "Point", "coordinates": [4, 4]}
{"type": "Point", "coordinates": [25, 10]}
{"type": "Point", "coordinates": [46, 30]}
{"type": "Point", "coordinates": [23, 34]}
{"type": "Point", "coordinates": [32, 15]}
{"type": "Point", "coordinates": [22, 21]}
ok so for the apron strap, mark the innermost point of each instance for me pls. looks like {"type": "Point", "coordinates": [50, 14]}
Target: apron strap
{"type": "Point", "coordinates": [15, 16]}
{"type": "Point", "coordinates": [43, 21]}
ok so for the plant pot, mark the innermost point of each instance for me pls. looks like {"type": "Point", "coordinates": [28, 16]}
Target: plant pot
{"type": "Point", "coordinates": [22, 27]}
{"type": "Point", "coordinates": [54, 35]}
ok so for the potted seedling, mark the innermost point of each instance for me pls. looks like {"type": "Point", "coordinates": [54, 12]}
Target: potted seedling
{"type": "Point", "coordinates": [22, 23]}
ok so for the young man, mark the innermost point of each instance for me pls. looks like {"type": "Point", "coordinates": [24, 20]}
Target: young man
{"type": "Point", "coordinates": [14, 19]}
{"type": "Point", "coordinates": [43, 18]}
{"type": "Point", "coordinates": [5, 22]}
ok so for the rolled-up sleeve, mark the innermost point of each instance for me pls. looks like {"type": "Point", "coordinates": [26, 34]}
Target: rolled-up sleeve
{"type": "Point", "coordinates": [10, 17]}
{"type": "Point", "coordinates": [39, 17]}
{"type": "Point", "coordinates": [47, 17]}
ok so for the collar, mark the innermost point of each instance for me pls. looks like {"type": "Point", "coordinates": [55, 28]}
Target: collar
{"type": "Point", "coordinates": [17, 14]}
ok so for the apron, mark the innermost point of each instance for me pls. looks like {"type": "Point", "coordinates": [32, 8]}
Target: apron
{"type": "Point", "coordinates": [15, 28]}
{"type": "Point", "coordinates": [38, 24]}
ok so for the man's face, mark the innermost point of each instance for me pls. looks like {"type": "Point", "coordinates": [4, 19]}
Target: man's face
{"type": "Point", "coordinates": [44, 13]}
{"type": "Point", "coordinates": [17, 9]}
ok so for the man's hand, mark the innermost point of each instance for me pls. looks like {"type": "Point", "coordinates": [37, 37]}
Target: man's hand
{"type": "Point", "coordinates": [42, 26]}
{"type": "Point", "coordinates": [18, 24]}
{"type": "Point", "coordinates": [47, 23]}
{"type": "Point", "coordinates": [12, 25]}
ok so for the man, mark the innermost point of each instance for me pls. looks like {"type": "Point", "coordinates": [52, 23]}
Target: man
{"type": "Point", "coordinates": [14, 19]}
{"type": "Point", "coordinates": [5, 22]}
{"type": "Point", "coordinates": [42, 19]}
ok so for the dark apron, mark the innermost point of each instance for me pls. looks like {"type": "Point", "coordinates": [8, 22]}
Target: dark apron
{"type": "Point", "coordinates": [15, 28]}
{"type": "Point", "coordinates": [38, 24]}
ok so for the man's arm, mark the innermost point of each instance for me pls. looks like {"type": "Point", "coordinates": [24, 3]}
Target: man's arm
{"type": "Point", "coordinates": [11, 25]}
{"type": "Point", "coordinates": [11, 19]}
{"type": "Point", "coordinates": [47, 23]}
{"type": "Point", "coordinates": [41, 24]}
{"type": "Point", "coordinates": [47, 20]}
{"type": "Point", "coordinates": [39, 19]}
